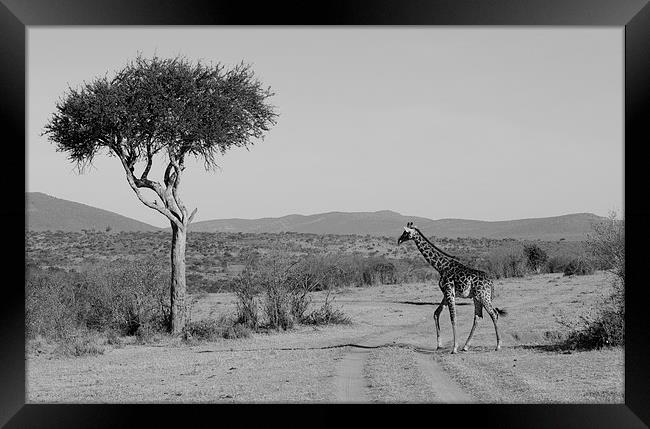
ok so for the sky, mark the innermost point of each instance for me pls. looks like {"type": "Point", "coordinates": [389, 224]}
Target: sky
{"type": "Point", "coordinates": [486, 123]}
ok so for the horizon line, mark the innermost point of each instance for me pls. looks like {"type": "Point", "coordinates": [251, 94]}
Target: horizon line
{"type": "Point", "coordinates": [325, 213]}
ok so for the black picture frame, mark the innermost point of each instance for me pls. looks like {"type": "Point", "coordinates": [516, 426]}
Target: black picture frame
{"type": "Point", "coordinates": [17, 15]}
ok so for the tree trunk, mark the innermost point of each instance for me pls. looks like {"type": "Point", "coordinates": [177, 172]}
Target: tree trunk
{"type": "Point", "coordinates": [178, 313]}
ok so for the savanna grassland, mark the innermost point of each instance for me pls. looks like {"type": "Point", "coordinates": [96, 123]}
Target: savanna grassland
{"type": "Point", "coordinates": [214, 259]}
{"type": "Point", "coordinates": [308, 364]}
{"type": "Point", "coordinates": [380, 349]}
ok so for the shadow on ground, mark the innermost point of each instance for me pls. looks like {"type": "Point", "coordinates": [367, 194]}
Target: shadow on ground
{"type": "Point", "coordinates": [428, 303]}
{"type": "Point", "coordinates": [550, 348]}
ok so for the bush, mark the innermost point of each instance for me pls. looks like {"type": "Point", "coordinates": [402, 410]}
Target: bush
{"type": "Point", "coordinates": [113, 338]}
{"type": "Point", "coordinates": [326, 315]}
{"type": "Point", "coordinates": [535, 257]}
{"type": "Point", "coordinates": [414, 270]}
{"type": "Point", "coordinates": [315, 272]}
{"type": "Point", "coordinates": [117, 296]}
{"type": "Point", "coordinates": [247, 307]}
{"type": "Point", "coordinates": [284, 286]}
{"type": "Point", "coordinates": [236, 331]}
{"type": "Point", "coordinates": [49, 306]}
{"type": "Point", "coordinates": [606, 331]}
{"type": "Point", "coordinates": [319, 272]}
{"type": "Point", "coordinates": [145, 334]}
{"type": "Point", "coordinates": [126, 296]}
{"type": "Point", "coordinates": [81, 343]}
{"type": "Point", "coordinates": [557, 264]}
{"type": "Point", "coordinates": [277, 306]}
{"type": "Point", "coordinates": [607, 245]}
{"type": "Point", "coordinates": [275, 278]}
{"type": "Point", "coordinates": [299, 303]}
{"type": "Point", "coordinates": [504, 263]}
{"type": "Point", "coordinates": [212, 329]}
{"type": "Point", "coordinates": [578, 267]}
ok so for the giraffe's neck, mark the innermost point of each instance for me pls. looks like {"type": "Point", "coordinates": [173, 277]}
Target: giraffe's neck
{"type": "Point", "coordinates": [432, 254]}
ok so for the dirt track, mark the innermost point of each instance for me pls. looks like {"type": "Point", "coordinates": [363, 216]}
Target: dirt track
{"type": "Point", "coordinates": [385, 355]}
{"type": "Point", "coordinates": [353, 387]}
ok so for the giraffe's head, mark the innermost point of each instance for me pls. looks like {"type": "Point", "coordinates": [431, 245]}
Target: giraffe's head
{"type": "Point", "coordinates": [408, 234]}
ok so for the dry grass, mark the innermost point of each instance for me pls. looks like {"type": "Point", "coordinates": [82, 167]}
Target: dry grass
{"type": "Point", "coordinates": [394, 376]}
{"type": "Point", "coordinates": [256, 369]}
{"type": "Point", "coordinates": [522, 375]}
{"type": "Point", "coordinates": [183, 374]}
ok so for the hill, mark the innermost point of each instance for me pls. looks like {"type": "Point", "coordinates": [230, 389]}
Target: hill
{"type": "Point", "coordinates": [571, 227]}
{"type": "Point", "coordinates": [47, 213]}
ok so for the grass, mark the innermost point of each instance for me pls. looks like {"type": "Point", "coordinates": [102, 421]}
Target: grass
{"type": "Point", "coordinates": [535, 375]}
{"type": "Point", "coordinates": [296, 365]}
{"type": "Point", "coordinates": [215, 259]}
{"type": "Point", "coordinates": [394, 377]}
{"type": "Point", "coordinates": [326, 314]}
{"type": "Point", "coordinates": [213, 329]}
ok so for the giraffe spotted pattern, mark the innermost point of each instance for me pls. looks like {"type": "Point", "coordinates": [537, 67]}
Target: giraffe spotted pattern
{"type": "Point", "coordinates": [456, 280]}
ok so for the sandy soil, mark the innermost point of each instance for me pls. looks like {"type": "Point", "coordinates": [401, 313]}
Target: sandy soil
{"type": "Point", "coordinates": [386, 355]}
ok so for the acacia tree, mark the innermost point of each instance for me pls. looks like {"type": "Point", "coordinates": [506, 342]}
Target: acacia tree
{"type": "Point", "coordinates": [163, 109]}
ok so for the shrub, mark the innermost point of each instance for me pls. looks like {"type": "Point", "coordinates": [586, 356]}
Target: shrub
{"type": "Point", "coordinates": [535, 257]}
{"type": "Point", "coordinates": [208, 329]}
{"type": "Point", "coordinates": [277, 282]}
{"type": "Point", "coordinates": [145, 334]}
{"type": "Point", "coordinates": [247, 307]}
{"type": "Point", "coordinates": [578, 267]}
{"type": "Point", "coordinates": [277, 306]}
{"type": "Point", "coordinates": [284, 285]}
{"type": "Point", "coordinates": [605, 331]}
{"type": "Point", "coordinates": [299, 302]}
{"type": "Point", "coordinates": [504, 262]}
{"type": "Point", "coordinates": [236, 331]}
{"type": "Point", "coordinates": [49, 306]}
{"type": "Point", "coordinates": [557, 264]}
{"type": "Point", "coordinates": [607, 244]}
{"type": "Point", "coordinates": [126, 295]}
{"type": "Point", "coordinates": [119, 296]}
{"type": "Point", "coordinates": [113, 338]}
{"type": "Point", "coordinates": [212, 329]}
{"type": "Point", "coordinates": [326, 314]}
{"type": "Point", "coordinates": [414, 270]}
{"type": "Point", "coordinates": [82, 343]}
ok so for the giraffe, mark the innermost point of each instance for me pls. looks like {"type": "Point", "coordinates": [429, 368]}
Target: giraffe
{"type": "Point", "coordinates": [459, 280]}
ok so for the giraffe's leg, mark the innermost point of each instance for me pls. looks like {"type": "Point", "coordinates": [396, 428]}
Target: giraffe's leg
{"type": "Point", "coordinates": [493, 315]}
{"type": "Point", "coordinates": [452, 315]}
{"type": "Point", "coordinates": [436, 318]}
{"type": "Point", "coordinates": [478, 313]}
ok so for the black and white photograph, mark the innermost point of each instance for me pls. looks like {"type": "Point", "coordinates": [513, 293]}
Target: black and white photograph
{"type": "Point", "coordinates": [357, 215]}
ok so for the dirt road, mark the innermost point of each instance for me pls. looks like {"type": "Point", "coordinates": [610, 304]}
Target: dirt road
{"type": "Point", "coordinates": [352, 386]}
{"type": "Point", "coordinates": [385, 355]}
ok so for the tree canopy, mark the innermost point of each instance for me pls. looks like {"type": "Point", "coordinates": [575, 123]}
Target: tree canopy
{"type": "Point", "coordinates": [169, 107]}
{"type": "Point", "coordinates": [157, 104]}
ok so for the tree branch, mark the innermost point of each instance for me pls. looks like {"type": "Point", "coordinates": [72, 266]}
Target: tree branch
{"type": "Point", "coordinates": [178, 168]}
{"type": "Point", "coordinates": [145, 173]}
{"type": "Point", "coordinates": [170, 180]}
{"type": "Point", "coordinates": [154, 205]}
{"type": "Point", "coordinates": [136, 184]}
{"type": "Point", "coordinates": [167, 177]}
{"type": "Point", "coordinates": [192, 216]}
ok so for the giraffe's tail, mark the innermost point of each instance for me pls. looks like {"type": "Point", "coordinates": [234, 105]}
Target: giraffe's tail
{"type": "Point", "coordinates": [500, 312]}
